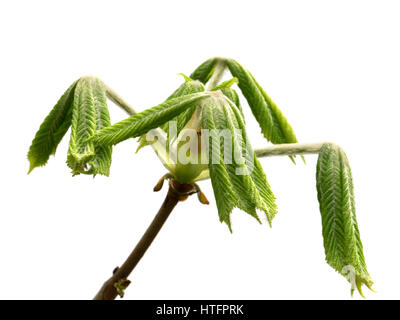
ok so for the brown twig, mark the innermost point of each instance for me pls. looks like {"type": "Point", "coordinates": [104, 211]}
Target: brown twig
{"type": "Point", "coordinates": [118, 282]}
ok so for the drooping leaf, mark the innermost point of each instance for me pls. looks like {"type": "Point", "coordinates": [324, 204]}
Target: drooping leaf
{"type": "Point", "coordinates": [273, 123]}
{"type": "Point", "coordinates": [232, 95]}
{"type": "Point", "coordinates": [190, 86]}
{"type": "Point", "coordinates": [101, 162]}
{"type": "Point", "coordinates": [343, 247]}
{"type": "Point", "coordinates": [89, 113]}
{"type": "Point", "coordinates": [266, 201]}
{"type": "Point", "coordinates": [225, 195]}
{"type": "Point", "coordinates": [204, 72]}
{"type": "Point", "coordinates": [83, 126]}
{"type": "Point", "coordinates": [143, 122]}
{"type": "Point", "coordinates": [52, 130]}
{"type": "Point", "coordinates": [237, 177]}
{"type": "Point", "coordinates": [226, 84]}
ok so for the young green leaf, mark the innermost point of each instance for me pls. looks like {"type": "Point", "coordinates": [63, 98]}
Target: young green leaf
{"type": "Point", "coordinates": [90, 113]}
{"type": "Point", "coordinates": [343, 247]}
{"type": "Point", "coordinates": [273, 123]}
{"type": "Point", "coordinates": [83, 126]}
{"type": "Point", "coordinates": [188, 87]}
{"type": "Point", "coordinates": [225, 195]}
{"type": "Point", "coordinates": [204, 72]}
{"type": "Point", "coordinates": [52, 130]}
{"type": "Point", "coordinates": [237, 170]}
{"type": "Point", "coordinates": [101, 162]}
{"type": "Point", "coordinates": [232, 95]}
{"type": "Point", "coordinates": [226, 84]}
{"type": "Point", "coordinates": [143, 122]}
{"type": "Point", "coordinates": [266, 201]}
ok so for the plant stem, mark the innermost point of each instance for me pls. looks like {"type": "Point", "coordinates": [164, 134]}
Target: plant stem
{"type": "Point", "coordinates": [114, 97]}
{"type": "Point", "coordinates": [289, 149]}
{"type": "Point", "coordinates": [176, 193]}
{"type": "Point", "coordinates": [286, 149]}
{"type": "Point", "coordinates": [217, 74]}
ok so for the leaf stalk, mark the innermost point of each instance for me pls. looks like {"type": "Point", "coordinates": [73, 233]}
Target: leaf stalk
{"type": "Point", "coordinates": [114, 97]}
{"type": "Point", "coordinates": [289, 149]}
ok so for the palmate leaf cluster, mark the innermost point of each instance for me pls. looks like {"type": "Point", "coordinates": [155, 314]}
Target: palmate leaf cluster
{"type": "Point", "coordinates": [83, 108]}
{"type": "Point", "coordinates": [273, 123]}
{"type": "Point", "coordinates": [343, 247]}
{"type": "Point", "coordinates": [220, 110]}
{"type": "Point", "coordinates": [248, 191]}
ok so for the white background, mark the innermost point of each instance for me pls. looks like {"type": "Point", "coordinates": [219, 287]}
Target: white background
{"type": "Point", "coordinates": [333, 67]}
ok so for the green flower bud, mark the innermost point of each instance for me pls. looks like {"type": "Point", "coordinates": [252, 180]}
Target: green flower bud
{"type": "Point", "coordinates": [191, 155]}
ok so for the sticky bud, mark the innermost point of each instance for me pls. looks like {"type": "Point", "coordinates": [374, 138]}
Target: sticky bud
{"type": "Point", "coordinates": [202, 197]}
{"type": "Point", "coordinates": [159, 185]}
